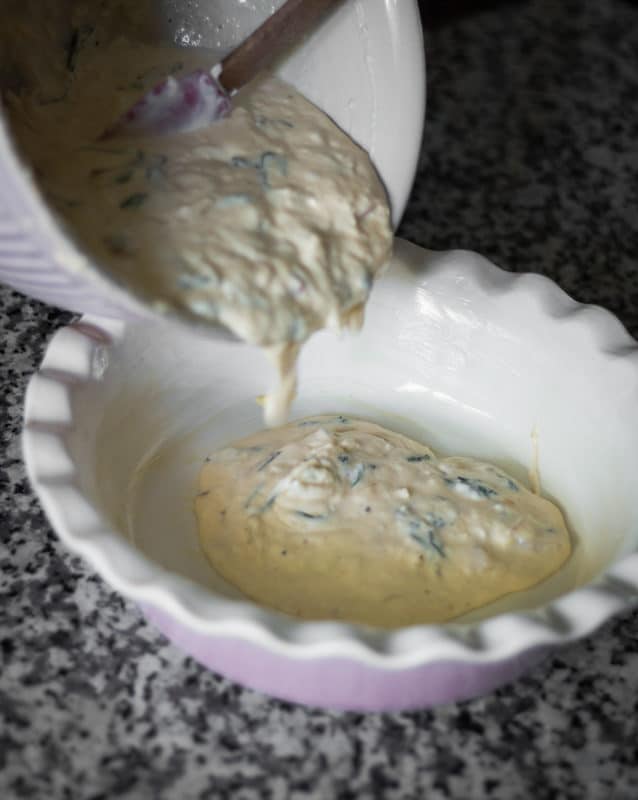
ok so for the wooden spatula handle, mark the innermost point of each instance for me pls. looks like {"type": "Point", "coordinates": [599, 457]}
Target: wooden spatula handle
{"type": "Point", "coordinates": [287, 25]}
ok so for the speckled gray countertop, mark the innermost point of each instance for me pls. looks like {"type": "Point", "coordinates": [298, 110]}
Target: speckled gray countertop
{"type": "Point", "coordinates": [530, 157]}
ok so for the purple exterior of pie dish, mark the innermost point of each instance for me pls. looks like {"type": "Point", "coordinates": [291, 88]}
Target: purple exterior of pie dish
{"type": "Point", "coordinates": [339, 683]}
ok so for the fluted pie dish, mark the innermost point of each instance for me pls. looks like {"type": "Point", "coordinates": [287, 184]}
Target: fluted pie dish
{"type": "Point", "coordinates": [455, 352]}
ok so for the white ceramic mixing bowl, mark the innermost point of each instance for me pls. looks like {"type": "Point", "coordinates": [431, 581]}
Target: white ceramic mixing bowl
{"type": "Point", "coordinates": [364, 66]}
{"type": "Point", "coordinates": [455, 351]}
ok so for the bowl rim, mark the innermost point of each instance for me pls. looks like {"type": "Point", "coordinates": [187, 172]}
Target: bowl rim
{"type": "Point", "coordinates": [80, 526]}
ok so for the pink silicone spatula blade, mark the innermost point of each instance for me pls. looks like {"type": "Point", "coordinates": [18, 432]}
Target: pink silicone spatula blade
{"type": "Point", "coordinates": [175, 105]}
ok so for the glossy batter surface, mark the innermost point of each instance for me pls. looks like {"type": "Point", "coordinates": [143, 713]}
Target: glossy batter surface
{"type": "Point", "coordinates": [332, 517]}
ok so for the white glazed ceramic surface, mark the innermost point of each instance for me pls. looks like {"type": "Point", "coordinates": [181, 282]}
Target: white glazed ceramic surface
{"type": "Point", "coordinates": [364, 66]}
{"type": "Point", "coordinates": [455, 351]}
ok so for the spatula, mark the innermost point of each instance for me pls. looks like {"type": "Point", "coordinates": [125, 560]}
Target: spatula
{"type": "Point", "coordinates": [202, 97]}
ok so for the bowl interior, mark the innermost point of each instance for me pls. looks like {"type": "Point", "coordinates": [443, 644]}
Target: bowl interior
{"type": "Point", "coordinates": [454, 351]}
{"type": "Point", "coordinates": [364, 66]}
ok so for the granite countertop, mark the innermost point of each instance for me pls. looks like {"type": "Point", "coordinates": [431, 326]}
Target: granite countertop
{"type": "Point", "coordinates": [530, 157]}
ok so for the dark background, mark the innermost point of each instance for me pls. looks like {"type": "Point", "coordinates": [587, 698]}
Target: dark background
{"type": "Point", "coordinates": [439, 12]}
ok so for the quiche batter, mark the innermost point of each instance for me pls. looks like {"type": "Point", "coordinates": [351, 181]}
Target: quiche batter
{"type": "Point", "coordinates": [272, 222]}
{"type": "Point", "coordinates": [332, 517]}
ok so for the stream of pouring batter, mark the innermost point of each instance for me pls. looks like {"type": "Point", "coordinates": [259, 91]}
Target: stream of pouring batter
{"type": "Point", "coordinates": [271, 222]}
